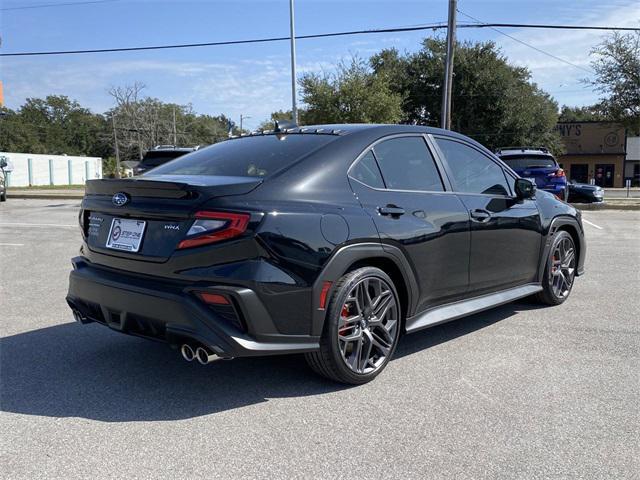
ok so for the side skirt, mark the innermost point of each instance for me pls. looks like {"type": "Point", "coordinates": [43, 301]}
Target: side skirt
{"type": "Point", "coordinates": [453, 311]}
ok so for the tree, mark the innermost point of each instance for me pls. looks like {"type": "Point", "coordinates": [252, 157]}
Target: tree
{"type": "Point", "coordinates": [55, 125]}
{"type": "Point", "coordinates": [617, 78]}
{"type": "Point", "coordinates": [353, 94]}
{"type": "Point", "coordinates": [58, 125]}
{"type": "Point", "coordinates": [144, 122]}
{"type": "Point", "coordinates": [494, 102]}
{"type": "Point", "coordinates": [591, 113]}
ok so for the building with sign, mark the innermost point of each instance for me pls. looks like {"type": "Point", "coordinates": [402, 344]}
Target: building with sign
{"type": "Point", "coordinates": [632, 163]}
{"type": "Point", "coordinates": [595, 152]}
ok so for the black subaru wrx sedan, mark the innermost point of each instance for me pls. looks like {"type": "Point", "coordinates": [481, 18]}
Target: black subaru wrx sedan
{"type": "Point", "coordinates": [328, 240]}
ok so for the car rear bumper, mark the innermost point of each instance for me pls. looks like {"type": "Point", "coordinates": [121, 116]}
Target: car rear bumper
{"type": "Point", "coordinates": [171, 312]}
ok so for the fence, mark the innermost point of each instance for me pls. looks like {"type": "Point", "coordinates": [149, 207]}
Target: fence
{"type": "Point", "coordinates": [28, 169]}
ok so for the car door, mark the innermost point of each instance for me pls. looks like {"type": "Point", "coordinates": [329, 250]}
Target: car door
{"type": "Point", "coordinates": [506, 232]}
{"type": "Point", "coordinates": [399, 184]}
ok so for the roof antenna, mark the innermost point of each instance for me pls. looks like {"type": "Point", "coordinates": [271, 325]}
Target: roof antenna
{"type": "Point", "coordinates": [283, 125]}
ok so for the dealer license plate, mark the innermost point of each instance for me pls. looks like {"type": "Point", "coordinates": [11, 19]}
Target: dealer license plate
{"type": "Point", "coordinates": [126, 234]}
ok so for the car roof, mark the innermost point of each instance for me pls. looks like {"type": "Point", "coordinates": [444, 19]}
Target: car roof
{"type": "Point", "coordinates": [519, 151]}
{"type": "Point", "coordinates": [362, 129]}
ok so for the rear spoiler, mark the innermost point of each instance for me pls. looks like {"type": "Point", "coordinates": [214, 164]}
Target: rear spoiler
{"type": "Point", "coordinates": [183, 187]}
{"type": "Point", "coordinates": [139, 188]}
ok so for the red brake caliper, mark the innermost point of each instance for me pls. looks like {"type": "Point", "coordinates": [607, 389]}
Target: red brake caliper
{"type": "Point", "coordinates": [344, 314]}
{"type": "Point", "coordinates": [553, 265]}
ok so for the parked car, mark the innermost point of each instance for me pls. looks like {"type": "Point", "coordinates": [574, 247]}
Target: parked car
{"type": "Point", "coordinates": [159, 156]}
{"type": "Point", "coordinates": [585, 193]}
{"type": "Point", "coordinates": [538, 165]}
{"type": "Point", "coordinates": [327, 240]}
{"type": "Point", "coordinates": [3, 180]}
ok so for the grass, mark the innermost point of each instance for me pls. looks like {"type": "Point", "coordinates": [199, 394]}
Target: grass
{"type": "Point", "coordinates": [49, 187]}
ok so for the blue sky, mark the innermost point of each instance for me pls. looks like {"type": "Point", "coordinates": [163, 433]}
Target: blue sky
{"type": "Point", "coordinates": [254, 79]}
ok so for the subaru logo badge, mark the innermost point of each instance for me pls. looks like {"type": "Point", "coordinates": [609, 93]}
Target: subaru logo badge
{"type": "Point", "coordinates": [120, 199]}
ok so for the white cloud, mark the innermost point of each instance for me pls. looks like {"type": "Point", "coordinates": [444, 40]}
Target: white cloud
{"type": "Point", "coordinates": [559, 78]}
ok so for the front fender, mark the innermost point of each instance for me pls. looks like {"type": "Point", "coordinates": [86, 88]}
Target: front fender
{"type": "Point", "coordinates": [564, 222]}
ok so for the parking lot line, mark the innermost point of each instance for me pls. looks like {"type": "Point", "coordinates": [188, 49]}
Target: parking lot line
{"type": "Point", "coordinates": [38, 225]}
{"type": "Point", "coordinates": [592, 224]}
{"type": "Point", "coordinates": [11, 244]}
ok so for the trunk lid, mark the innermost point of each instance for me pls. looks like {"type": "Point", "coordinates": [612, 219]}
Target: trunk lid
{"type": "Point", "coordinates": [540, 175]}
{"type": "Point", "coordinates": [164, 203]}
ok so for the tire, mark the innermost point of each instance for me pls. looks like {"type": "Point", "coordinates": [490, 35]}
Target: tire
{"type": "Point", "coordinates": [361, 329]}
{"type": "Point", "coordinates": [560, 270]}
{"type": "Point", "coordinates": [3, 197]}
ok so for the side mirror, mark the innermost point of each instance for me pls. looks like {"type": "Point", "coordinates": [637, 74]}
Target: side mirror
{"type": "Point", "coordinates": [3, 162]}
{"type": "Point", "coordinates": [524, 188]}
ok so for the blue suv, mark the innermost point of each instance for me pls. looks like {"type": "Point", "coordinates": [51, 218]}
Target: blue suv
{"type": "Point", "coordinates": [539, 166]}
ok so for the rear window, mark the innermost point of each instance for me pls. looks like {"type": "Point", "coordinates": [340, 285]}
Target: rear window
{"type": "Point", "coordinates": [529, 161]}
{"type": "Point", "coordinates": [158, 157]}
{"type": "Point", "coordinates": [257, 156]}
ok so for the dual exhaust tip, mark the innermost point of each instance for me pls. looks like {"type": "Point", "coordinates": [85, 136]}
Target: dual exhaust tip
{"type": "Point", "coordinates": [200, 354]}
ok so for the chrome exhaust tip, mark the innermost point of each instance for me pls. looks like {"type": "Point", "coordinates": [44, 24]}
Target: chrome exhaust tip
{"type": "Point", "coordinates": [187, 352]}
{"type": "Point", "coordinates": [204, 357]}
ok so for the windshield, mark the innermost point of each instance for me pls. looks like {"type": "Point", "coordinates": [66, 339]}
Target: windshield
{"type": "Point", "coordinates": [153, 158]}
{"type": "Point", "coordinates": [257, 156]}
{"type": "Point", "coordinates": [530, 161]}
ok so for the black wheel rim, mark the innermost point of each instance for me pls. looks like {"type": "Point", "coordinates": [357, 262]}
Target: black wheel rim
{"type": "Point", "coordinates": [562, 271]}
{"type": "Point", "coordinates": [368, 325]}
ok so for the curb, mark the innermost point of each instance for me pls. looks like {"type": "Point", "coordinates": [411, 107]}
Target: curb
{"type": "Point", "coordinates": [606, 206]}
{"type": "Point", "coordinates": [44, 196]}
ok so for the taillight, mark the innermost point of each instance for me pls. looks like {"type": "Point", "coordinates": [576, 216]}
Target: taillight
{"type": "Point", "coordinates": [558, 173]}
{"type": "Point", "coordinates": [211, 227]}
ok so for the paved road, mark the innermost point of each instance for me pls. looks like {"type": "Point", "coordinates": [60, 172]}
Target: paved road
{"type": "Point", "coordinates": [517, 392]}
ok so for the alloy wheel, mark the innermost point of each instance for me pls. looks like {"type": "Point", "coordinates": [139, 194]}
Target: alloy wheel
{"type": "Point", "coordinates": [562, 270]}
{"type": "Point", "coordinates": [368, 325]}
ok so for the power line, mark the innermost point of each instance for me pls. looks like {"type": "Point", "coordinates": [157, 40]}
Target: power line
{"type": "Point", "coordinates": [229, 42]}
{"type": "Point", "coordinates": [528, 44]}
{"type": "Point", "coordinates": [433, 26]}
{"type": "Point", "coordinates": [48, 5]}
{"type": "Point", "coordinates": [538, 25]}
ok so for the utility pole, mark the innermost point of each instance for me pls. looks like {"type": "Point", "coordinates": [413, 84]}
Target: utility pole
{"type": "Point", "coordinates": [243, 117]}
{"type": "Point", "coordinates": [448, 70]}
{"type": "Point", "coordinates": [175, 136]}
{"type": "Point", "coordinates": [115, 140]}
{"type": "Point", "coordinates": [294, 107]}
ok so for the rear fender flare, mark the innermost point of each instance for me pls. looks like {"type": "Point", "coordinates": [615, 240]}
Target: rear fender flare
{"type": "Point", "coordinates": [346, 256]}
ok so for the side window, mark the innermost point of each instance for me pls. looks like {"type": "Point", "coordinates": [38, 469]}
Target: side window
{"type": "Point", "coordinates": [367, 171]}
{"type": "Point", "coordinates": [407, 164]}
{"type": "Point", "coordinates": [472, 171]}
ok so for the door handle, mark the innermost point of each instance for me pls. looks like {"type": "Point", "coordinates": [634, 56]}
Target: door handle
{"type": "Point", "coordinates": [480, 215]}
{"type": "Point", "coordinates": [391, 210]}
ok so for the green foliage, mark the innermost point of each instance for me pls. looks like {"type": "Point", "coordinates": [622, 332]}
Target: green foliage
{"type": "Point", "coordinates": [591, 113]}
{"type": "Point", "coordinates": [353, 94]}
{"type": "Point", "coordinates": [53, 125]}
{"type": "Point", "coordinates": [58, 125]}
{"type": "Point", "coordinates": [617, 78]}
{"type": "Point", "coordinates": [494, 102]}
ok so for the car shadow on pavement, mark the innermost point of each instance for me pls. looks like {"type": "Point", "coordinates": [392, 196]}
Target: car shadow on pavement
{"type": "Point", "coordinates": [90, 372]}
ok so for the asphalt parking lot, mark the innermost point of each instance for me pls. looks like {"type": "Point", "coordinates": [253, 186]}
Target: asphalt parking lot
{"type": "Point", "coordinates": [516, 392]}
